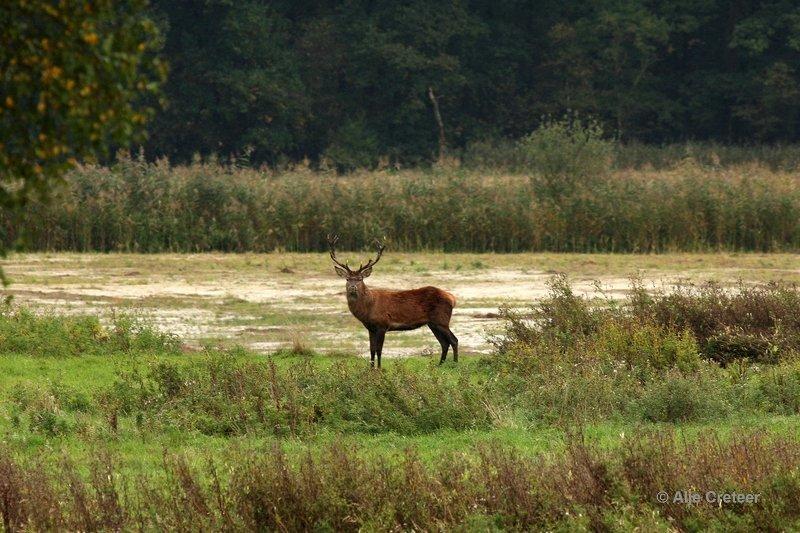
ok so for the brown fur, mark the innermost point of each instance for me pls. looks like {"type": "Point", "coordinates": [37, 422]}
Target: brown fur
{"type": "Point", "coordinates": [382, 310]}
{"type": "Point", "coordinates": [402, 310]}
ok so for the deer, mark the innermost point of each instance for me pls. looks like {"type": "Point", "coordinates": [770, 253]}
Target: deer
{"type": "Point", "coordinates": [383, 310]}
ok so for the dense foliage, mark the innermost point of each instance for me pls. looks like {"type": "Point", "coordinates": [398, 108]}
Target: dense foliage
{"type": "Point", "coordinates": [350, 82]}
{"type": "Point", "coordinates": [73, 79]}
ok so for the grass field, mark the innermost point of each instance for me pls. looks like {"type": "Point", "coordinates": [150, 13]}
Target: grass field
{"type": "Point", "coordinates": [206, 363]}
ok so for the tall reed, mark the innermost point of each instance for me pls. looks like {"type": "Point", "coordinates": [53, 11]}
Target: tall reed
{"type": "Point", "coordinates": [154, 207]}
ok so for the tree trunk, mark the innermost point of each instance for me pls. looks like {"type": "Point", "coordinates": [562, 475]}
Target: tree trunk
{"type": "Point", "coordinates": [438, 116]}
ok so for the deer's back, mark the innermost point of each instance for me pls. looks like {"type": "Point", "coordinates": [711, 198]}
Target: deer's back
{"type": "Point", "coordinates": [412, 308]}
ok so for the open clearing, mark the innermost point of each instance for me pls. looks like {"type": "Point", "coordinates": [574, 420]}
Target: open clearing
{"type": "Point", "coordinates": [266, 302]}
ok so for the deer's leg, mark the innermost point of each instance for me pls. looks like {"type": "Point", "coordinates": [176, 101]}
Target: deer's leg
{"type": "Point", "coordinates": [371, 348]}
{"type": "Point", "coordinates": [380, 335]}
{"type": "Point", "coordinates": [453, 343]}
{"type": "Point", "coordinates": [443, 340]}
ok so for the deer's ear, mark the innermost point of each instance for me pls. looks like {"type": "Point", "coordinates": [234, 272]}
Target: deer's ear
{"type": "Point", "coordinates": [339, 270]}
{"type": "Point", "coordinates": [366, 272]}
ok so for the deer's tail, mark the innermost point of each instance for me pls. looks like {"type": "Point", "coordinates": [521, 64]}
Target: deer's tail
{"type": "Point", "coordinates": [450, 298]}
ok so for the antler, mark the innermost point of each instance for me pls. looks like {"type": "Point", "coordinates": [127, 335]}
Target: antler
{"type": "Point", "coordinates": [381, 247]}
{"type": "Point", "coordinates": [332, 240]}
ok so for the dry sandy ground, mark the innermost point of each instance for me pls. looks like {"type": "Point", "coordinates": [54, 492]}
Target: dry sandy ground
{"type": "Point", "coordinates": [272, 301]}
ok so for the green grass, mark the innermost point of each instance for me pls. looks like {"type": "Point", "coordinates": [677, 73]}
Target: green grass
{"type": "Point", "coordinates": [89, 375]}
{"type": "Point", "coordinates": [78, 388]}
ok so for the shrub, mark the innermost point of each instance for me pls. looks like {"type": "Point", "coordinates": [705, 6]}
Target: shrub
{"type": "Point", "coordinates": [223, 395]}
{"type": "Point", "coordinates": [42, 408]}
{"type": "Point", "coordinates": [758, 322]}
{"type": "Point", "coordinates": [573, 359]}
{"type": "Point", "coordinates": [25, 332]}
{"type": "Point", "coordinates": [566, 155]}
{"type": "Point", "coordinates": [562, 317]}
{"type": "Point", "coordinates": [677, 398]}
{"type": "Point", "coordinates": [779, 389]}
{"type": "Point", "coordinates": [646, 348]}
{"type": "Point", "coordinates": [662, 329]}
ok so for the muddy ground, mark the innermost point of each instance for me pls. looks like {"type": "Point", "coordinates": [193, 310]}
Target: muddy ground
{"type": "Point", "coordinates": [272, 301]}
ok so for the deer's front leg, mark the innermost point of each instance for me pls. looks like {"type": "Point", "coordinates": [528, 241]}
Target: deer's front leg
{"type": "Point", "coordinates": [372, 348]}
{"type": "Point", "coordinates": [380, 335]}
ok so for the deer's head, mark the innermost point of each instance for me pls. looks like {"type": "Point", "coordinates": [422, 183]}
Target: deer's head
{"type": "Point", "coordinates": [355, 278]}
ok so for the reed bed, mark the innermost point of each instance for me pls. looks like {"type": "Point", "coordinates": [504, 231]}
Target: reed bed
{"type": "Point", "coordinates": [139, 206]}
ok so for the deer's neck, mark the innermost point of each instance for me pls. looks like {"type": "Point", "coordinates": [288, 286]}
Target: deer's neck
{"type": "Point", "coordinates": [361, 304]}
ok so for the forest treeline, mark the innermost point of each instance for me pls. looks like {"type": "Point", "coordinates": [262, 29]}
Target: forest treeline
{"type": "Point", "coordinates": [354, 83]}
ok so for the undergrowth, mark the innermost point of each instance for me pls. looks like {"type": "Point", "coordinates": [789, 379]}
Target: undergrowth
{"type": "Point", "coordinates": [50, 335]}
{"type": "Point", "coordinates": [491, 487]}
{"type": "Point", "coordinates": [693, 354]}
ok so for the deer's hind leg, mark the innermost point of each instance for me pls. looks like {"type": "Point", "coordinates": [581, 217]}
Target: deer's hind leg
{"type": "Point", "coordinates": [453, 342]}
{"type": "Point", "coordinates": [444, 341]}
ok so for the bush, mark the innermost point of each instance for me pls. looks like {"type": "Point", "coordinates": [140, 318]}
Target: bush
{"type": "Point", "coordinates": [666, 329]}
{"type": "Point", "coordinates": [779, 389]}
{"type": "Point", "coordinates": [573, 359]}
{"type": "Point", "coordinates": [24, 332]}
{"type": "Point", "coordinates": [677, 398]}
{"type": "Point", "coordinates": [759, 323]}
{"type": "Point", "coordinates": [44, 408]}
{"type": "Point", "coordinates": [647, 348]}
{"type": "Point", "coordinates": [566, 156]}
{"type": "Point", "coordinates": [223, 395]}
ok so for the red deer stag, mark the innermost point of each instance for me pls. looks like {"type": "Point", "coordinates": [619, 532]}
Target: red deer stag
{"type": "Point", "coordinates": [382, 310]}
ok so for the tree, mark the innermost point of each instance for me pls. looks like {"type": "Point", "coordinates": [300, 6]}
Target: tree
{"type": "Point", "coordinates": [234, 85]}
{"type": "Point", "coordinates": [769, 43]}
{"type": "Point", "coordinates": [606, 58]}
{"type": "Point", "coordinates": [74, 79]}
{"type": "Point", "coordinates": [398, 53]}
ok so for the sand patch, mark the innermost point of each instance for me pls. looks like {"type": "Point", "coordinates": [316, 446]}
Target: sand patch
{"type": "Point", "coordinates": [265, 309]}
